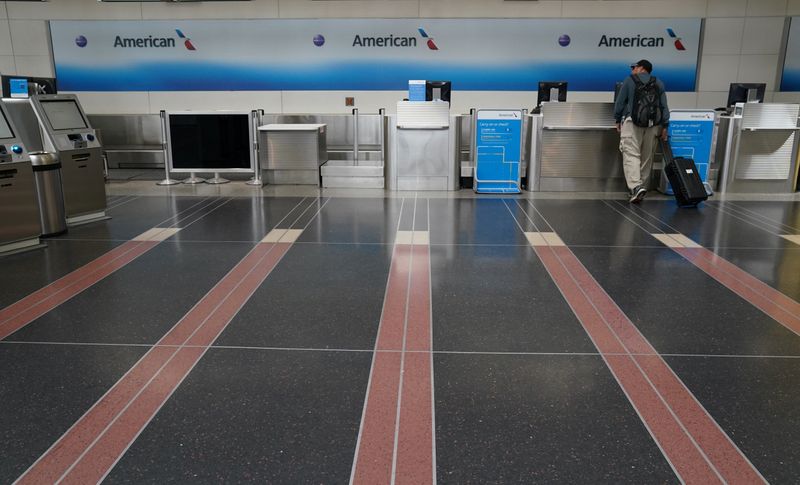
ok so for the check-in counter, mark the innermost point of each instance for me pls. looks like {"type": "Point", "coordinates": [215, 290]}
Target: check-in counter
{"type": "Point", "coordinates": [575, 147]}
{"type": "Point", "coordinates": [294, 152]}
{"type": "Point", "coordinates": [130, 140]}
{"type": "Point", "coordinates": [757, 146]}
{"type": "Point", "coordinates": [423, 147]}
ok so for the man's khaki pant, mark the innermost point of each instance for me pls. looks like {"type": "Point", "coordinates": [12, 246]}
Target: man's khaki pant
{"type": "Point", "coordinates": [637, 145]}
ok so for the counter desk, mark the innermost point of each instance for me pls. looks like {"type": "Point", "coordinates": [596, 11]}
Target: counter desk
{"type": "Point", "coordinates": [294, 152]}
{"type": "Point", "coordinates": [575, 147]}
{"type": "Point", "coordinates": [758, 147]}
{"type": "Point", "coordinates": [423, 147]}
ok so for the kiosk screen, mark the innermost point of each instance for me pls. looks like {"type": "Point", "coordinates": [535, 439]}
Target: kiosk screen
{"type": "Point", "coordinates": [63, 114]}
{"type": "Point", "coordinates": [5, 129]}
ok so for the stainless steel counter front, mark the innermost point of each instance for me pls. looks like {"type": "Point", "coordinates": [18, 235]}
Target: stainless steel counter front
{"type": "Point", "coordinates": [422, 148]}
{"type": "Point", "coordinates": [575, 147]}
{"type": "Point", "coordinates": [294, 152]}
{"type": "Point", "coordinates": [130, 140]}
{"type": "Point", "coordinates": [758, 146]}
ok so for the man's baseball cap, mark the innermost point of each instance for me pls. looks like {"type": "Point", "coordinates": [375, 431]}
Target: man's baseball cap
{"type": "Point", "coordinates": [643, 63]}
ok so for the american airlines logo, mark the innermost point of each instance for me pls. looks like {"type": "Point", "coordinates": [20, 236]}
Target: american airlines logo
{"type": "Point", "coordinates": [394, 41]}
{"type": "Point", "coordinates": [151, 42]}
{"type": "Point", "coordinates": [640, 40]}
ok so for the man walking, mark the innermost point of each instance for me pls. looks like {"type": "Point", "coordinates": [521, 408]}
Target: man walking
{"type": "Point", "coordinates": [642, 115]}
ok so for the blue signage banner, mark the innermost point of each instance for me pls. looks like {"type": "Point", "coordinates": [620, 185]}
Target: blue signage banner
{"type": "Point", "coordinates": [498, 151]}
{"type": "Point", "coordinates": [691, 135]}
{"type": "Point", "coordinates": [791, 66]}
{"type": "Point", "coordinates": [369, 54]}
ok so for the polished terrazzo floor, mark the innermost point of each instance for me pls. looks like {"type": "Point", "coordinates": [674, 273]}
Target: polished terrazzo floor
{"type": "Point", "coordinates": [340, 338]}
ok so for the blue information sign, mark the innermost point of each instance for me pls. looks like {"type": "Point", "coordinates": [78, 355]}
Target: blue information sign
{"type": "Point", "coordinates": [498, 151]}
{"type": "Point", "coordinates": [691, 133]}
{"type": "Point", "coordinates": [18, 88]}
{"type": "Point", "coordinates": [416, 90]}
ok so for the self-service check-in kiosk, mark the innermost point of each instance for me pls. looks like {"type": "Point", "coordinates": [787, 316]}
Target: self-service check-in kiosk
{"type": "Point", "coordinates": [57, 123]}
{"type": "Point", "coordinates": [19, 212]}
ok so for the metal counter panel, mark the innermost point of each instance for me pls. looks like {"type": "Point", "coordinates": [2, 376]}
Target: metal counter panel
{"type": "Point", "coordinates": [130, 131]}
{"type": "Point", "coordinates": [770, 116]}
{"type": "Point", "coordinates": [422, 152]}
{"type": "Point", "coordinates": [578, 115]}
{"type": "Point", "coordinates": [339, 131]}
{"type": "Point", "coordinates": [294, 150]}
{"type": "Point", "coordinates": [765, 155]}
{"type": "Point", "coordinates": [581, 154]}
{"type": "Point", "coordinates": [130, 140]}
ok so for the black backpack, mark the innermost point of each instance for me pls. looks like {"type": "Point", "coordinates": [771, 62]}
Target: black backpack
{"type": "Point", "coordinates": [646, 103]}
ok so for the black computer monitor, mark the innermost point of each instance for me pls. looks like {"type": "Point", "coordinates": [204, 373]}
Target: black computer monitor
{"type": "Point", "coordinates": [435, 90]}
{"type": "Point", "coordinates": [746, 93]}
{"type": "Point", "coordinates": [546, 88]}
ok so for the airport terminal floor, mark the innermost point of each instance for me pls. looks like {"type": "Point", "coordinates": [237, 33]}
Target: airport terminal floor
{"type": "Point", "coordinates": [352, 336]}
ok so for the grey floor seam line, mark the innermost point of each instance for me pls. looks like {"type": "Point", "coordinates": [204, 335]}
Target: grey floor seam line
{"type": "Point", "coordinates": [736, 216]}
{"type": "Point", "coordinates": [629, 219]}
{"type": "Point", "coordinates": [119, 204]}
{"type": "Point", "coordinates": [734, 210]}
{"type": "Point", "coordinates": [749, 219]}
{"type": "Point", "coordinates": [763, 217]}
{"type": "Point", "coordinates": [641, 215]}
{"type": "Point", "coordinates": [218, 241]}
{"type": "Point", "coordinates": [440, 352]}
{"type": "Point", "coordinates": [177, 224]}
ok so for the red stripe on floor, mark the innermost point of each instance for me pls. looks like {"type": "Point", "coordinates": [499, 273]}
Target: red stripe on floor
{"type": "Point", "coordinates": [30, 308]}
{"type": "Point", "coordinates": [623, 328]}
{"type": "Point", "coordinates": [675, 443]}
{"type": "Point", "coordinates": [376, 445]}
{"type": "Point", "coordinates": [652, 389]}
{"type": "Point", "coordinates": [785, 301]}
{"type": "Point", "coordinates": [104, 453]}
{"type": "Point", "coordinates": [142, 391]}
{"type": "Point", "coordinates": [375, 453]}
{"type": "Point", "coordinates": [418, 336]}
{"type": "Point", "coordinates": [415, 433]}
{"type": "Point", "coordinates": [727, 459]}
{"type": "Point", "coordinates": [65, 281]}
{"type": "Point", "coordinates": [392, 325]}
{"type": "Point", "coordinates": [605, 341]}
{"type": "Point", "coordinates": [405, 324]}
{"type": "Point", "coordinates": [415, 430]}
{"type": "Point", "coordinates": [757, 293]}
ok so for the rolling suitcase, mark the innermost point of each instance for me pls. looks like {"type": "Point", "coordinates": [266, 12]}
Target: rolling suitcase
{"type": "Point", "coordinates": [682, 175]}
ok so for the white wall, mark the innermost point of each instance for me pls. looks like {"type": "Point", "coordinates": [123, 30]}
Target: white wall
{"type": "Point", "coordinates": [742, 43]}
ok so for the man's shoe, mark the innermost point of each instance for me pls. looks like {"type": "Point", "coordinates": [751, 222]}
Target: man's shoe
{"type": "Point", "coordinates": [637, 195]}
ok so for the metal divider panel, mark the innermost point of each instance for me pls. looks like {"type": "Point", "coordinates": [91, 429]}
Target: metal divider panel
{"type": "Point", "coordinates": [765, 155]}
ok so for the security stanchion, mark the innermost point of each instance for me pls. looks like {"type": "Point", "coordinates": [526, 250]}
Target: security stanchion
{"type": "Point", "coordinates": [164, 149]}
{"type": "Point", "coordinates": [217, 180]}
{"type": "Point", "coordinates": [193, 179]}
{"type": "Point", "coordinates": [255, 122]}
